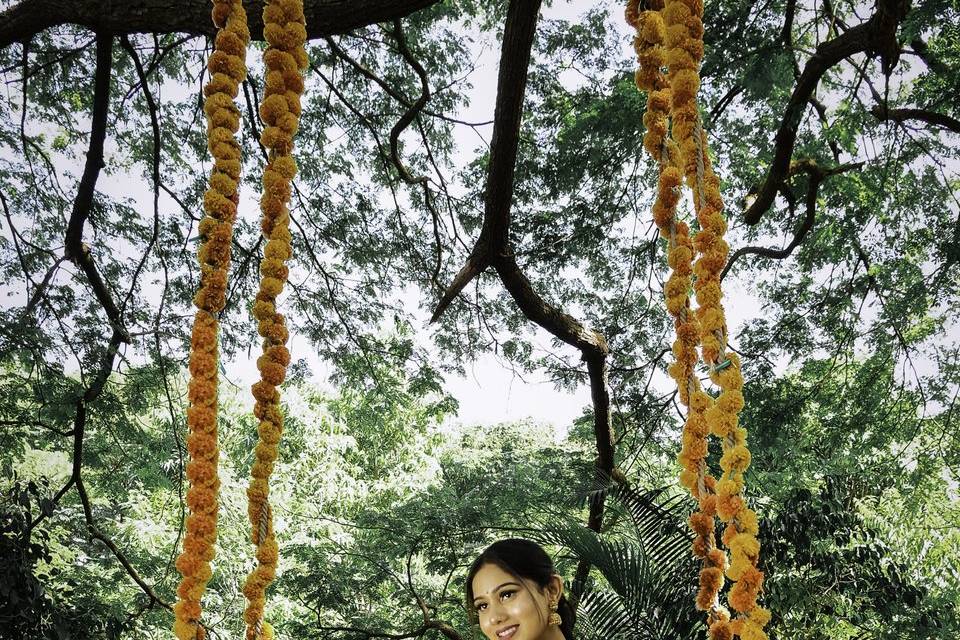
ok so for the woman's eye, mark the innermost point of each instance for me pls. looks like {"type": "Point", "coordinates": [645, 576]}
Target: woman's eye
{"type": "Point", "coordinates": [481, 606]}
{"type": "Point", "coordinates": [506, 594]}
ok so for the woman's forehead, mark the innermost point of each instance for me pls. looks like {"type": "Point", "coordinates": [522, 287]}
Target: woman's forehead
{"type": "Point", "coordinates": [489, 578]}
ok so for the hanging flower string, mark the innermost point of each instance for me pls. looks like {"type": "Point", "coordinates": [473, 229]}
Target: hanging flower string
{"type": "Point", "coordinates": [679, 24]}
{"type": "Point", "coordinates": [227, 68]}
{"type": "Point", "coordinates": [649, 77]}
{"type": "Point", "coordinates": [685, 51]}
{"type": "Point", "coordinates": [285, 59]}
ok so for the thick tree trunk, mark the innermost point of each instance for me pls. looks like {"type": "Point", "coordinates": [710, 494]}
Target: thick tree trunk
{"type": "Point", "coordinates": [324, 17]}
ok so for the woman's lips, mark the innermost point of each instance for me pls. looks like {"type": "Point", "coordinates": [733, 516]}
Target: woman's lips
{"type": "Point", "coordinates": [507, 632]}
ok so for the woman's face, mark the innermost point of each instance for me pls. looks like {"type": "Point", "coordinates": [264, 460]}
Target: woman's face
{"type": "Point", "coordinates": [509, 609]}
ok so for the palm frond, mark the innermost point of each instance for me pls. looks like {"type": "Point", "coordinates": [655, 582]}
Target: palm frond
{"type": "Point", "coordinates": [650, 575]}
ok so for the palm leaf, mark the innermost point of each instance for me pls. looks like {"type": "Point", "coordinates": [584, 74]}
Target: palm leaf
{"type": "Point", "coordinates": [650, 575]}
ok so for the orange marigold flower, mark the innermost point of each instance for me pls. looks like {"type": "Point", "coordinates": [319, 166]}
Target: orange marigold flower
{"type": "Point", "coordinates": [711, 580]}
{"type": "Point", "coordinates": [720, 630]}
{"type": "Point", "coordinates": [717, 558]}
{"type": "Point", "coordinates": [701, 523]}
{"type": "Point", "coordinates": [729, 506]}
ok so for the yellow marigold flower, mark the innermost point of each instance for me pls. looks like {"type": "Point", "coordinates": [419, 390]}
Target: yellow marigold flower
{"type": "Point", "coordinates": [747, 521]}
{"type": "Point", "coordinates": [700, 401]}
{"type": "Point", "coordinates": [296, 34]}
{"type": "Point", "coordinates": [276, 250]}
{"type": "Point", "coordinates": [271, 286]}
{"type": "Point", "coordinates": [184, 630]}
{"type": "Point", "coordinates": [282, 61]}
{"type": "Point", "coordinates": [728, 487]}
{"type": "Point", "coordinates": [688, 478]}
{"type": "Point", "coordinates": [675, 12]}
{"type": "Point", "coordinates": [223, 84]}
{"type": "Point", "coordinates": [281, 233]}
{"type": "Point", "coordinates": [760, 616]}
{"type": "Point", "coordinates": [265, 452]}
{"type": "Point", "coordinates": [218, 102]}
{"type": "Point", "coordinates": [275, 35]}
{"type": "Point", "coordinates": [258, 490]}
{"type": "Point", "coordinates": [263, 309]}
{"type": "Point", "coordinates": [685, 85]}
{"type": "Point", "coordinates": [653, 28]}
{"type": "Point", "coordinates": [736, 459]}
{"type": "Point", "coordinates": [223, 183]}
{"type": "Point", "coordinates": [261, 469]}
{"type": "Point", "coordinates": [745, 543]}
{"type": "Point", "coordinates": [272, 107]}
{"type": "Point", "coordinates": [272, 13]}
{"type": "Point", "coordinates": [271, 206]}
{"type": "Point", "coordinates": [739, 563]}
{"type": "Point", "coordinates": [230, 43]}
{"type": "Point", "coordinates": [731, 401]}
{"type": "Point", "coordinates": [269, 432]}
{"type": "Point", "coordinates": [267, 632]}
{"type": "Point", "coordinates": [708, 294]}
{"type": "Point", "coordinates": [752, 631]}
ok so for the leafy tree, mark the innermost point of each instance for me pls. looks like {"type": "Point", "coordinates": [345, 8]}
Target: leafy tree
{"type": "Point", "coordinates": [834, 126]}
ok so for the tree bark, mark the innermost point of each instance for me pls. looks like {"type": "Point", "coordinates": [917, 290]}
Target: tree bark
{"type": "Point", "coordinates": [25, 19]}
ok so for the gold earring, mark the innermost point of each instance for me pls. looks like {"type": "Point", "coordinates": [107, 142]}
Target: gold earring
{"type": "Point", "coordinates": [555, 618]}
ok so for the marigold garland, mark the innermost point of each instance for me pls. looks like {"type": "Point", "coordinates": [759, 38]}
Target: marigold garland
{"type": "Point", "coordinates": [651, 56]}
{"type": "Point", "coordinates": [228, 69]}
{"type": "Point", "coordinates": [679, 25]}
{"type": "Point", "coordinates": [285, 59]}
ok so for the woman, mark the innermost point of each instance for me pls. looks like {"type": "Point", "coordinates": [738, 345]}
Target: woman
{"type": "Point", "coordinates": [515, 594]}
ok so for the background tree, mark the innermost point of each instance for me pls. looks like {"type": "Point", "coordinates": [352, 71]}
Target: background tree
{"type": "Point", "coordinates": [834, 126]}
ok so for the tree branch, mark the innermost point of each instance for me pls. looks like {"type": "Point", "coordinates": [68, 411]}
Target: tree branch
{"type": "Point", "coordinates": [884, 113]}
{"type": "Point", "coordinates": [74, 248]}
{"type": "Point", "coordinates": [817, 176]}
{"type": "Point", "coordinates": [324, 17]}
{"type": "Point", "coordinates": [876, 35]}
{"type": "Point", "coordinates": [518, 34]}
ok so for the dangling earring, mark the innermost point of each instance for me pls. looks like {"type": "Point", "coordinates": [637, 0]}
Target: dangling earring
{"type": "Point", "coordinates": [555, 618]}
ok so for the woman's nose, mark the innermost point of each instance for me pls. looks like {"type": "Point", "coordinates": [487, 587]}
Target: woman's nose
{"type": "Point", "coordinates": [497, 614]}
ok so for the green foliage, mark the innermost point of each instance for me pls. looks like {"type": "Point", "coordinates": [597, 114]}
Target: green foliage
{"type": "Point", "coordinates": [648, 574]}
{"type": "Point", "coordinates": [849, 343]}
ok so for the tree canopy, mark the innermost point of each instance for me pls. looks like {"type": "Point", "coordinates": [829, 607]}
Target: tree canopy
{"type": "Point", "coordinates": [423, 240]}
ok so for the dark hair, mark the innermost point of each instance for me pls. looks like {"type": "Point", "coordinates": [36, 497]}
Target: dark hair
{"type": "Point", "coordinates": [522, 559]}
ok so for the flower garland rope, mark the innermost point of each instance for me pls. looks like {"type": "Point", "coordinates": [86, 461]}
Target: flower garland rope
{"type": "Point", "coordinates": [651, 56]}
{"type": "Point", "coordinates": [228, 69]}
{"type": "Point", "coordinates": [680, 21]}
{"type": "Point", "coordinates": [285, 59]}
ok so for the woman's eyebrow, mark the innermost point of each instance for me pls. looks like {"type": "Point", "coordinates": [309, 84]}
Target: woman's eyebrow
{"type": "Point", "coordinates": [495, 589]}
